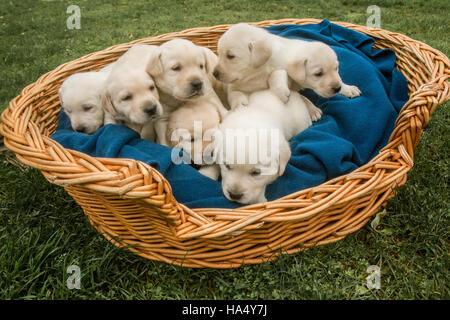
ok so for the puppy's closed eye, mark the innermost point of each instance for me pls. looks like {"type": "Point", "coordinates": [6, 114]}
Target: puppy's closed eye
{"type": "Point", "coordinates": [176, 67]}
{"type": "Point", "coordinates": [127, 97]}
{"type": "Point", "coordinates": [255, 172]}
{"type": "Point", "coordinates": [87, 108]}
{"type": "Point", "coordinates": [230, 56]}
{"type": "Point", "coordinates": [319, 73]}
{"type": "Point", "coordinates": [152, 87]}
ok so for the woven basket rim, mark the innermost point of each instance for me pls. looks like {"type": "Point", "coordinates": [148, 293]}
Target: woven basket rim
{"type": "Point", "coordinates": [190, 32]}
{"type": "Point", "coordinates": [32, 146]}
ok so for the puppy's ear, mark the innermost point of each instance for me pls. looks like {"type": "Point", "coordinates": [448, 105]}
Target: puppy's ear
{"type": "Point", "coordinates": [107, 104]}
{"type": "Point", "coordinates": [285, 155]}
{"type": "Point", "coordinates": [210, 60]}
{"type": "Point", "coordinates": [297, 70]}
{"type": "Point", "coordinates": [154, 66]}
{"type": "Point", "coordinates": [260, 52]}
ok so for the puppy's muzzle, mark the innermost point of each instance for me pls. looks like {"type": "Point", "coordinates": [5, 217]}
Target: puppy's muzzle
{"type": "Point", "coordinates": [196, 86]}
{"type": "Point", "coordinates": [235, 195]}
{"type": "Point", "coordinates": [81, 129]}
{"type": "Point", "coordinates": [216, 74]}
{"type": "Point", "coordinates": [151, 109]}
{"type": "Point", "coordinates": [336, 89]}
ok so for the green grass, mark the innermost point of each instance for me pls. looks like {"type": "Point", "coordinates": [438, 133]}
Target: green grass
{"type": "Point", "coordinates": [43, 231]}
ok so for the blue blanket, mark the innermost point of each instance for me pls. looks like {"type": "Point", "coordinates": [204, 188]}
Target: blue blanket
{"type": "Point", "coordinates": [350, 133]}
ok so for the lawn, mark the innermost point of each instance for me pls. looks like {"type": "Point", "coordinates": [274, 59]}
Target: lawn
{"type": "Point", "coordinates": [43, 231]}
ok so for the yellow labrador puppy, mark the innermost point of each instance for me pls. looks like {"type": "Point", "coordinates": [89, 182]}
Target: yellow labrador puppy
{"type": "Point", "coordinates": [252, 144]}
{"type": "Point", "coordinates": [191, 128]}
{"type": "Point", "coordinates": [130, 96]}
{"type": "Point", "coordinates": [315, 65]}
{"type": "Point", "coordinates": [251, 59]}
{"type": "Point", "coordinates": [81, 98]}
{"type": "Point", "coordinates": [183, 75]}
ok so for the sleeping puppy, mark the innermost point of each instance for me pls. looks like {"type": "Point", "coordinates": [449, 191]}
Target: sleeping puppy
{"type": "Point", "coordinates": [251, 59]}
{"type": "Point", "coordinates": [81, 98]}
{"type": "Point", "coordinates": [315, 65]}
{"type": "Point", "coordinates": [130, 96]}
{"type": "Point", "coordinates": [252, 144]}
{"type": "Point", "coordinates": [191, 129]}
{"type": "Point", "coordinates": [183, 75]}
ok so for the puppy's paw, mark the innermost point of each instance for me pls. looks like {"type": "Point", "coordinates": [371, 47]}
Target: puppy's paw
{"type": "Point", "coordinates": [315, 114]}
{"type": "Point", "coordinates": [283, 93]}
{"type": "Point", "coordinates": [350, 91]}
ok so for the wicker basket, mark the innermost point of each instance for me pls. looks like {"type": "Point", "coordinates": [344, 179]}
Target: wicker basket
{"type": "Point", "coordinates": [132, 204]}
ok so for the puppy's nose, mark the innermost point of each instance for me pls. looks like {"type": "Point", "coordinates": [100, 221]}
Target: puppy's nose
{"type": "Point", "coordinates": [150, 109]}
{"type": "Point", "coordinates": [235, 195]}
{"type": "Point", "coordinates": [81, 129]}
{"type": "Point", "coordinates": [216, 73]}
{"type": "Point", "coordinates": [196, 85]}
{"type": "Point", "coordinates": [336, 89]}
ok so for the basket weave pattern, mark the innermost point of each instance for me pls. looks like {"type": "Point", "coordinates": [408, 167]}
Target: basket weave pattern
{"type": "Point", "coordinates": [132, 204]}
